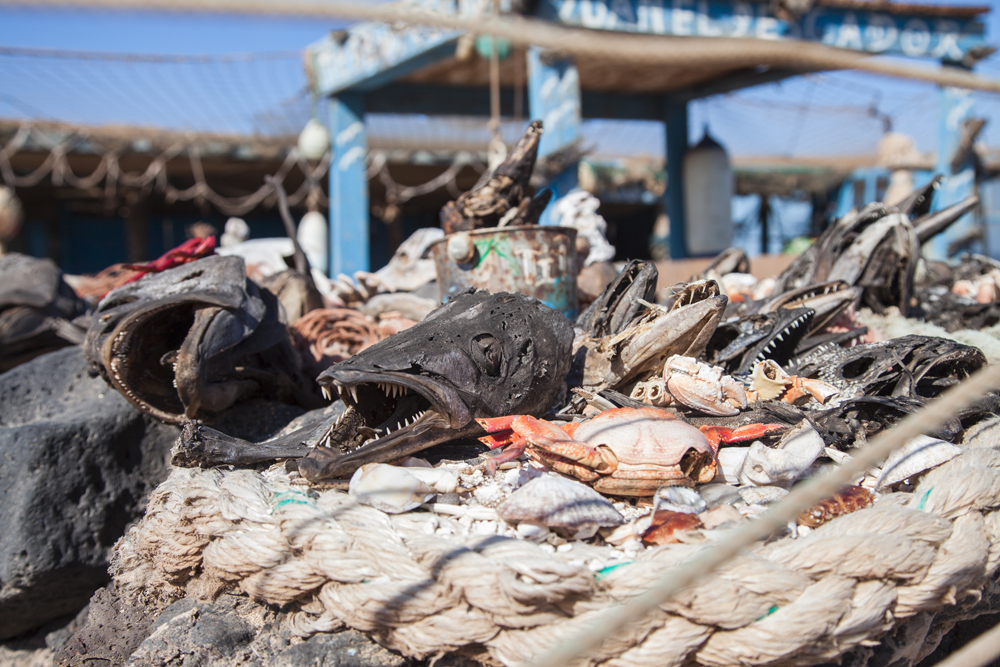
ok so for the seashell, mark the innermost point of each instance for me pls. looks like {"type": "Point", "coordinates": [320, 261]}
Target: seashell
{"type": "Point", "coordinates": [730, 461]}
{"type": "Point", "coordinates": [666, 523]}
{"type": "Point", "coordinates": [441, 480]}
{"type": "Point", "coordinates": [557, 502]}
{"type": "Point", "coordinates": [916, 456]}
{"type": "Point", "coordinates": [768, 380]}
{"type": "Point", "coordinates": [847, 500]}
{"type": "Point", "coordinates": [518, 477]}
{"type": "Point", "coordinates": [719, 494]}
{"type": "Point", "coordinates": [489, 495]}
{"type": "Point", "coordinates": [652, 392]}
{"type": "Point", "coordinates": [721, 515]}
{"type": "Point", "coordinates": [786, 462]}
{"type": "Point", "coordinates": [678, 499]}
{"type": "Point", "coordinates": [762, 495]}
{"type": "Point", "coordinates": [529, 530]}
{"type": "Point", "coordinates": [390, 489]}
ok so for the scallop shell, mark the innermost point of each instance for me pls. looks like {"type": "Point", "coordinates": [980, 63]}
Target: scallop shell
{"type": "Point", "coordinates": [919, 454]}
{"type": "Point", "coordinates": [558, 502]}
{"type": "Point", "coordinates": [785, 463]}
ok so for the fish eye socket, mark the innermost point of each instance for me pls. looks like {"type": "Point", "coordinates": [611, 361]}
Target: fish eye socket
{"type": "Point", "coordinates": [487, 354]}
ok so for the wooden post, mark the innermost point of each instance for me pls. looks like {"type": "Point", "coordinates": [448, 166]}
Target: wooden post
{"type": "Point", "coordinates": [554, 98]}
{"type": "Point", "coordinates": [348, 185]}
{"type": "Point", "coordinates": [137, 229]}
{"type": "Point", "coordinates": [676, 118]}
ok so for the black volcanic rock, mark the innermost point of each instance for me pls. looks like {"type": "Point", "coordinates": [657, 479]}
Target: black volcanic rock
{"type": "Point", "coordinates": [77, 462]}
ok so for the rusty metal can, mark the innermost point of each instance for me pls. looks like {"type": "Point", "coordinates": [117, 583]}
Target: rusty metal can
{"type": "Point", "coordinates": [539, 261]}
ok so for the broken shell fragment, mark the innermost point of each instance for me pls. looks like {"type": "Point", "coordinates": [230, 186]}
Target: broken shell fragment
{"type": "Point", "coordinates": [847, 500]}
{"type": "Point", "coordinates": [785, 463]}
{"type": "Point", "coordinates": [390, 489]}
{"type": "Point", "coordinates": [557, 502]}
{"type": "Point", "coordinates": [441, 480]}
{"type": "Point", "coordinates": [916, 456]}
{"type": "Point", "coordinates": [768, 380]}
{"type": "Point", "coordinates": [730, 461]}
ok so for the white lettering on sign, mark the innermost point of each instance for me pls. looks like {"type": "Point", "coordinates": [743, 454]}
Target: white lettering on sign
{"type": "Point", "coordinates": [849, 34]}
{"type": "Point", "coordinates": [651, 17]}
{"type": "Point", "coordinates": [915, 38]}
{"type": "Point", "coordinates": [681, 17]}
{"type": "Point", "coordinates": [742, 19]}
{"type": "Point", "coordinates": [767, 26]}
{"type": "Point", "coordinates": [622, 11]}
{"type": "Point", "coordinates": [703, 21]}
{"type": "Point", "coordinates": [594, 14]}
{"type": "Point", "coordinates": [880, 33]}
{"type": "Point", "coordinates": [566, 10]}
{"type": "Point", "coordinates": [947, 47]}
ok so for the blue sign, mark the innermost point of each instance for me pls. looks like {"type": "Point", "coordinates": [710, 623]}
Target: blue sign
{"type": "Point", "coordinates": [871, 31]}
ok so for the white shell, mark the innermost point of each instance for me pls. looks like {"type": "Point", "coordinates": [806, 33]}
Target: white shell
{"type": "Point", "coordinates": [678, 499]}
{"type": "Point", "coordinates": [388, 488]}
{"type": "Point", "coordinates": [557, 502]}
{"type": "Point", "coordinates": [762, 495]}
{"type": "Point", "coordinates": [730, 461]}
{"type": "Point", "coordinates": [441, 480]}
{"type": "Point", "coordinates": [917, 455]}
{"type": "Point", "coordinates": [785, 463]}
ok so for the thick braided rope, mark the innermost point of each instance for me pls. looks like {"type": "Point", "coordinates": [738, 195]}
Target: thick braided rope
{"type": "Point", "coordinates": [334, 562]}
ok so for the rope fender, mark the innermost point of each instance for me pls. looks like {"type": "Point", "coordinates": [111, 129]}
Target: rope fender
{"type": "Point", "coordinates": [332, 562]}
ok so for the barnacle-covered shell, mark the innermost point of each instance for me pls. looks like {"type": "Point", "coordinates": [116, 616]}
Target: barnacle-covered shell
{"type": "Point", "coordinates": [557, 502]}
{"type": "Point", "coordinates": [768, 380]}
{"type": "Point", "coordinates": [847, 500]}
{"type": "Point", "coordinates": [785, 463]}
{"type": "Point", "coordinates": [919, 454]}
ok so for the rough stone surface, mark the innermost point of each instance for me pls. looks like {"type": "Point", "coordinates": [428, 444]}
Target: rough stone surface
{"type": "Point", "coordinates": [108, 633]}
{"type": "Point", "coordinates": [76, 464]}
{"type": "Point", "coordinates": [189, 633]}
{"type": "Point", "coordinates": [349, 648]}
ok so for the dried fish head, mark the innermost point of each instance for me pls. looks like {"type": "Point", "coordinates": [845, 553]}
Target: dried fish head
{"type": "Point", "coordinates": [172, 342]}
{"type": "Point", "coordinates": [480, 355]}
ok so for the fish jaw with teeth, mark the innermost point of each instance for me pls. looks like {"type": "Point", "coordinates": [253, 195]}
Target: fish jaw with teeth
{"type": "Point", "coordinates": [481, 355]}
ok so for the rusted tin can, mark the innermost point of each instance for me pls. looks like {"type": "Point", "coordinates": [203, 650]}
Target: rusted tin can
{"type": "Point", "coordinates": [534, 260]}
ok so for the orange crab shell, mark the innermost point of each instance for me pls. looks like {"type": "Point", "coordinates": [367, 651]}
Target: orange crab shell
{"type": "Point", "coordinates": [624, 451]}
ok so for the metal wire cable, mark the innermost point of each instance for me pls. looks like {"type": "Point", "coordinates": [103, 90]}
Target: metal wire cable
{"type": "Point", "coordinates": [801, 498]}
{"type": "Point", "coordinates": [648, 49]}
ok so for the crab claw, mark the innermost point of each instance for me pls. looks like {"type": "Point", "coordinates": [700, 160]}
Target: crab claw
{"type": "Point", "coordinates": [720, 434]}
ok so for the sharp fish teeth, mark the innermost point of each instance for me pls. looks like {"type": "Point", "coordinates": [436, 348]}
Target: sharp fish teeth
{"type": "Point", "coordinates": [354, 393]}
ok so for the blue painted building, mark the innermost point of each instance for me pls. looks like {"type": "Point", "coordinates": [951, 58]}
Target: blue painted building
{"type": "Point", "coordinates": [375, 67]}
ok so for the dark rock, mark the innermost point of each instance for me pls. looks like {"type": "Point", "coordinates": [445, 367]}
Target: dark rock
{"type": "Point", "coordinates": [76, 464]}
{"type": "Point", "coordinates": [349, 648]}
{"type": "Point", "coordinates": [109, 634]}
{"type": "Point", "coordinates": [190, 633]}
